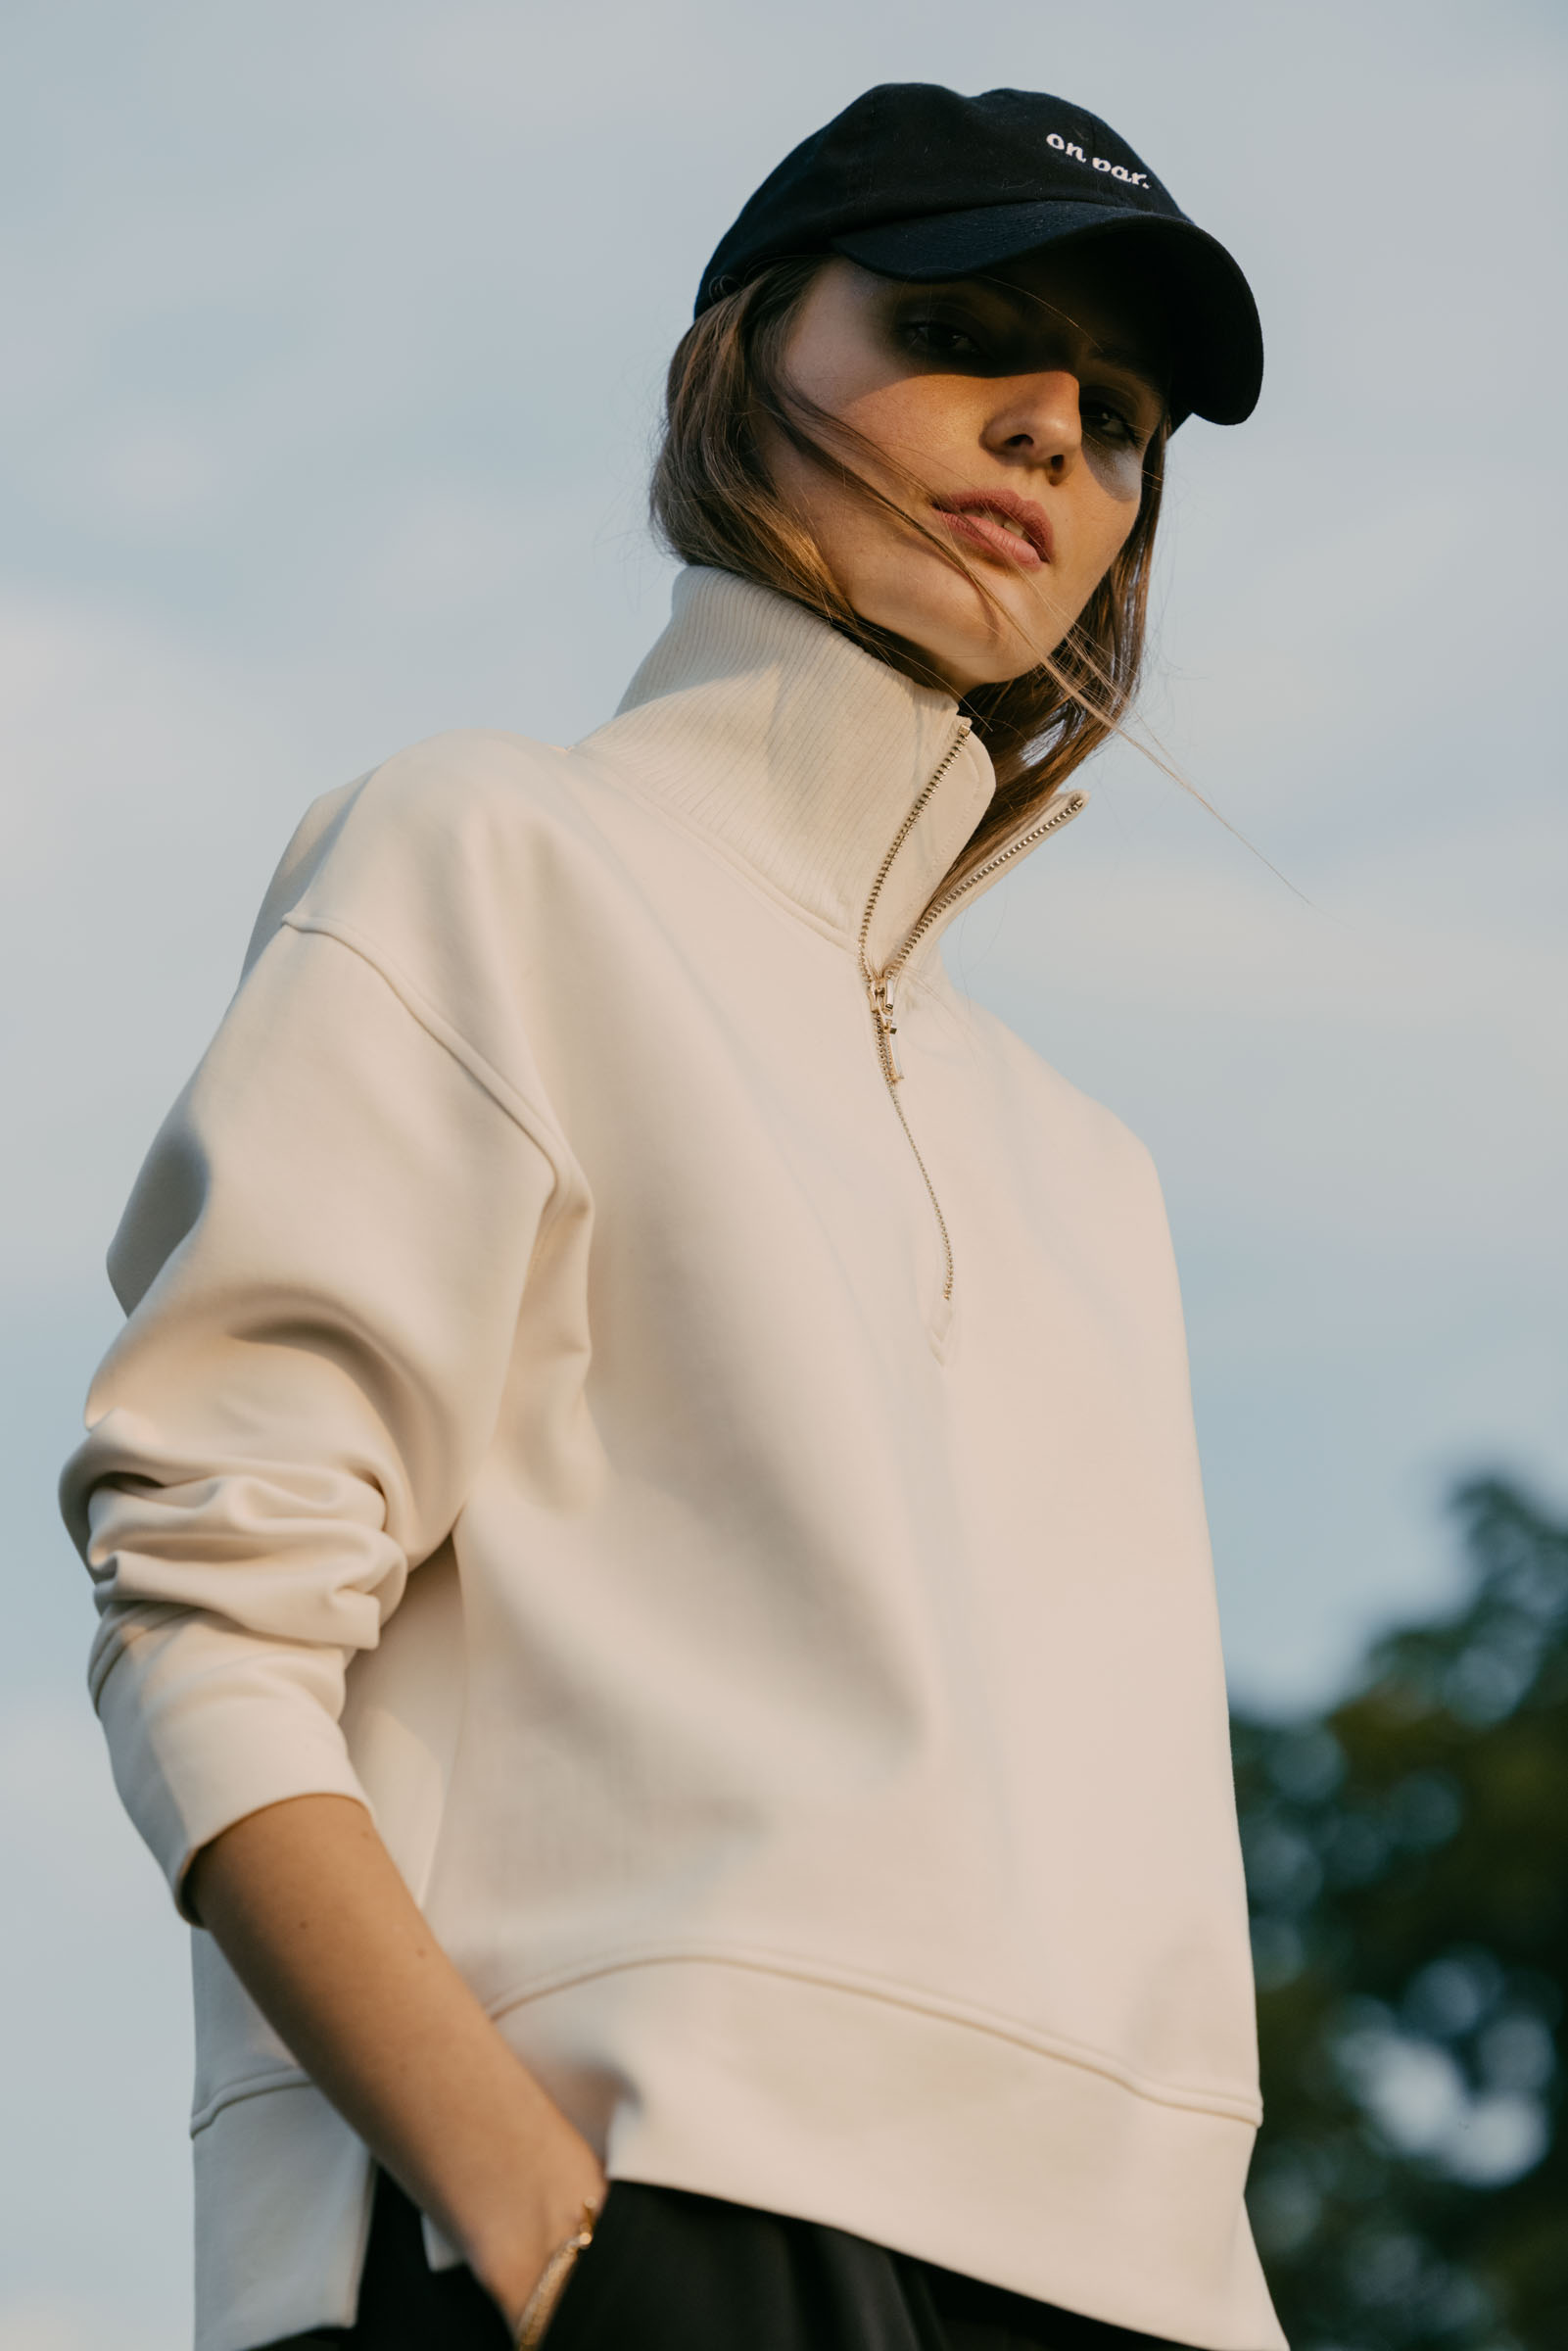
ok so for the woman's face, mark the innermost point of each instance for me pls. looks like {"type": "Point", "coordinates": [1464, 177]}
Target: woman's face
{"type": "Point", "coordinates": [1022, 401]}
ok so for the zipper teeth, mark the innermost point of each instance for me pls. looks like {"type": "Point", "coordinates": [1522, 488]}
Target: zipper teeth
{"type": "Point", "coordinates": [930, 1190]}
{"type": "Point", "coordinates": [874, 985]}
{"type": "Point", "coordinates": [878, 984]}
{"type": "Point", "coordinates": [897, 842]}
{"type": "Point", "coordinates": [1059, 815]}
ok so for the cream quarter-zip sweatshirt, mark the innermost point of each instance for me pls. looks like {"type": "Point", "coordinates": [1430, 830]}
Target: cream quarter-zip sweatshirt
{"type": "Point", "coordinates": [731, 1511]}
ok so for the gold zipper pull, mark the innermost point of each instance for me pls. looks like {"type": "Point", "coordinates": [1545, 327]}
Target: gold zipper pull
{"type": "Point", "coordinates": [881, 1004]}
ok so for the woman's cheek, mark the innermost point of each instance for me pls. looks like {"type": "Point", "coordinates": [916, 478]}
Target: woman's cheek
{"type": "Point", "coordinates": [1118, 472]}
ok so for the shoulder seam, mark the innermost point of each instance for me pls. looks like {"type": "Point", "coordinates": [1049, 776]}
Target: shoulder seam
{"type": "Point", "coordinates": [525, 1115]}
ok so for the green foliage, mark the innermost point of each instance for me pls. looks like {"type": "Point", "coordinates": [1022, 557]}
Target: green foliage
{"type": "Point", "coordinates": [1407, 1866]}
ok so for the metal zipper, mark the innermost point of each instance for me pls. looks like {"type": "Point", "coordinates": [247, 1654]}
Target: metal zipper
{"type": "Point", "coordinates": [1060, 812]}
{"type": "Point", "coordinates": [879, 985]}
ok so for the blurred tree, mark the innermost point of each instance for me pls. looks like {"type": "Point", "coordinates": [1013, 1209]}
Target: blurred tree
{"type": "Point", "coordinates": [1407, 1866]}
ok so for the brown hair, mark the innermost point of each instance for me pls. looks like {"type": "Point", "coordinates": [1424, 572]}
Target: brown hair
{"type": "Point", "coordinates": [713, 503]}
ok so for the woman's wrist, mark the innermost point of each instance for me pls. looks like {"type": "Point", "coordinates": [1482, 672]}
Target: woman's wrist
{"type": "Point", "coordinates": [528, 2331]}
{"type": "Point", "coordinates": [511, 2247]}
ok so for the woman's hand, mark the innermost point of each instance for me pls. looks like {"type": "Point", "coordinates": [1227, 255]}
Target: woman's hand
{"type": "Point", "coordinates": [308, 1909]}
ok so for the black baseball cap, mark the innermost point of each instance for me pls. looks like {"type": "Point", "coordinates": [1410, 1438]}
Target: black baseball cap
{"type": "Point", "coordinates": [917, 183]}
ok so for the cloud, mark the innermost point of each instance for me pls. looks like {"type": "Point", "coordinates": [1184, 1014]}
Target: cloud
{"type": "Point", "coordinates": [57, 2323]}
{"type": "Point", "coordinates": [142, 815]}
{"type": "Point", "coordinates": [94, 2163]}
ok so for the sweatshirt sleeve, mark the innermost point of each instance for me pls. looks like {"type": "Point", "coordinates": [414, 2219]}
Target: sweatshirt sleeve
{"type": "Point", "coordinates": [323, 1265]}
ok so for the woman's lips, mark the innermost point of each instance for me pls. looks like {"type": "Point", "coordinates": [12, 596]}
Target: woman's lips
{"type": "Point", "coordinates": [983, 517]}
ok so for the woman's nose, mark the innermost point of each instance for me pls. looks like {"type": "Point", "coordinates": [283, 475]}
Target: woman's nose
{"type": "Point", "coordinates": [1038, 421]}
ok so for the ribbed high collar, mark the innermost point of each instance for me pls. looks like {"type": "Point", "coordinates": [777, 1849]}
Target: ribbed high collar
{"type": "Point", "coordinates": [800, 754]}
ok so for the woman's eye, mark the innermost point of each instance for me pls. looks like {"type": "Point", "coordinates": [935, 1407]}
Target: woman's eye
{"type": "Point", "coordinates": [1108, 423]}
{"type": "Point", "coordinates": [939, 339]}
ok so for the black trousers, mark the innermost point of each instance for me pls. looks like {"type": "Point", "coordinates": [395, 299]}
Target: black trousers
{"type": "Point", "coordinates": [672, 2272]}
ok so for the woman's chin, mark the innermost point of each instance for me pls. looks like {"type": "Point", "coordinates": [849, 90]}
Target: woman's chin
{"type": "Point", "coordinates": [961, 652]}
{"type": "Point", "coordinates": [965, 667]}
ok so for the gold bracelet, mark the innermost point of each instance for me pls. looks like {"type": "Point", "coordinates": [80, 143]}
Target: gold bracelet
{"type": "Point", "coordinates": [539, 2308]}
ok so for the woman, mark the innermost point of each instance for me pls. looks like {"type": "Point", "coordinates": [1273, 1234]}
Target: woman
{"type": "Point", "coordinates": [655, 1604]}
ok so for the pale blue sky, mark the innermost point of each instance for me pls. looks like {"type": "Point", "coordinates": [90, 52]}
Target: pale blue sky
{"type": "Point", "coordinates": [333, 340]}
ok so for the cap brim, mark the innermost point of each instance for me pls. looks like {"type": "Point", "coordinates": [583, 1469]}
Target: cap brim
{"type": "Point", "coordinates": [1218, 358]}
